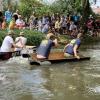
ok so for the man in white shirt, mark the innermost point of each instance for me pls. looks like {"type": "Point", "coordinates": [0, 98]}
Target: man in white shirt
{"type": "Point", "coordinates": [8, 43]}
{"type": "Point", "coordinates": [20, 41]}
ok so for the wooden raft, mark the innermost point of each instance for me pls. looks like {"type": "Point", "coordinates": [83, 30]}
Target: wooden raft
{"type": "Point", "coordinates": [55, 57]}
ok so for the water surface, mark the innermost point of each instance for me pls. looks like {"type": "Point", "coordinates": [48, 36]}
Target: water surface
{"type": "Point", "coordinates": [65, 81]}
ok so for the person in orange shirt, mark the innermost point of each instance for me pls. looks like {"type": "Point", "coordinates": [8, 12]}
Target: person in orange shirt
{"type": "Point", "coordinates": [12, 24]}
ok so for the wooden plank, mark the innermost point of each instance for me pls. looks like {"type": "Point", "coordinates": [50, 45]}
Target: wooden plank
{"type": "Point", "coordinates": [56, 57]}
{"type": "Point", "coordinates": [37, 62]}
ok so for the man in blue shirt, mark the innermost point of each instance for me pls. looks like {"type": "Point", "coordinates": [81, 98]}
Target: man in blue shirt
{"type": "Point", "coordinates": [72, 48]}
{"type": "Point", "coordinates": [8, 15]}
{"type": "Point", "coordinates": [44, 49]}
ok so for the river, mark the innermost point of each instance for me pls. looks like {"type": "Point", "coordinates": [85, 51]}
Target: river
{"type": "Point", "coordinates": [65, 81]}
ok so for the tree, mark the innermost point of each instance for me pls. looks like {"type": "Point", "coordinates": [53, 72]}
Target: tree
{"type": "Point", "coordinates": [28, 6]}
{"type": "Point", "coordinates": [12, 4]}
{"type": "Point", "coordinates": [66, 6]}
{"type": "Point", "coordinates": [86, 12]}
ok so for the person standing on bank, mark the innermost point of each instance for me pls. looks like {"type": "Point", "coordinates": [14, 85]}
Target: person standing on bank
{"type": "Point", "coordinates": [8, 15]}
{"type": "Point", "coordinates": [20, 41]}
{"type": "Point", "coordinates": [44, 49]}
{"type": "Point", "coordinates": [71, 49]}
{"type": "Point", "coordinates": [8, 44]}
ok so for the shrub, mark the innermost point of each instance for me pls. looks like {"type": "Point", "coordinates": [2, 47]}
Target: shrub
{"type": "Point", "coordinates": [33, 37]}
{"type": "Point", "coordinates": [2, 35]}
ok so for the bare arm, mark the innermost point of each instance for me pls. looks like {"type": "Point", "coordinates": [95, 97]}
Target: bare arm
{"type": "Point", "coordinates": [17, 40]}
{"type": "Point", "coordinates": [75, 51]}
{"type": "Point", "coordinates": [56, 42]}
{"type": "Point", "coordinates": [16, 46]}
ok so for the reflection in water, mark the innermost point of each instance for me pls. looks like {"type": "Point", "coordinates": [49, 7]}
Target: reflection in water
{"type": "Point", "coordinates": [72, 81]}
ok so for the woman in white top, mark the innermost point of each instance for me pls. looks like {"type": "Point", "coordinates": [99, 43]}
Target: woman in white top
{"type": "Point", "coordinates": [20, 23]}
{"type": "Point", "coordinates": [20, 41]}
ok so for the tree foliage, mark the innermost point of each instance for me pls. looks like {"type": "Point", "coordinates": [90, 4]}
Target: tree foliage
{"type": "Point", "coordinates": [71, 6]}
{"type": "Point", "coordinates": [66, 6]}
{"type": "Point", "coordinates": [12, 4]}
{"type": "Point", "coordinates": [26, 8]}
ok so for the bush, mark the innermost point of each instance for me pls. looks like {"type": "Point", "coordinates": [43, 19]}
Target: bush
{"type": "Point", "coordinates": [33, 37]}
{"type": "Point", "coordinates": [2, 35]}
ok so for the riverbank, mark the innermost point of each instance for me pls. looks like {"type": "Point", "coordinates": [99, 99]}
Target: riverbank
{"type": "Point", "coordinates": [35, 37]}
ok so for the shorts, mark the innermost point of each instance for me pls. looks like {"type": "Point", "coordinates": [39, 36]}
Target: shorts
{"type": "Point", "coordinates": [67, 55]}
